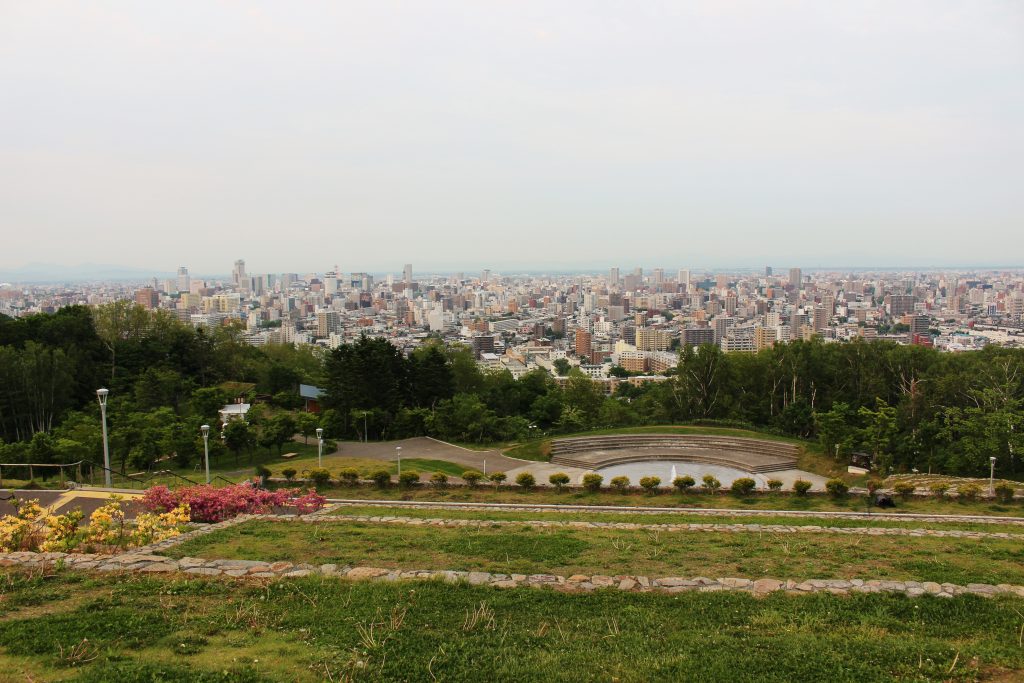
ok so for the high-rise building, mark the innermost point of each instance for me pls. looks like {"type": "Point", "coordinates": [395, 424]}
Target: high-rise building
{"type": "Point", "coordinates": [767, 271]}
{"type": "Point", "coordinates": [238, 277]}
{"type": "Point", "coordinates": [901, 304]}
{"type": "Point", "coordinates": [327, 322]}
{"type": "Point", "coordinates": [407, 274]}
{"type": "Point", "coordinates": [485, 276]}
{"type": "Point", "coordinates": [684, 279]}
{"type": "Point", "coordinates": [653, 339]}
{"type": "Point", "coordinates": [147, 297]}
{"type": "Point", "coordinates": [583, 343]}
{"type": "Point", "coordinates": [613, 276]}
{"type": "Point", "coordinates": [795, 278]}
{"type": "Point", "coordinates": [184, 281]}
{"type": "Point", "coordinates": [659, 277]}
{"type": "Point", "coordinates": [764, 338]}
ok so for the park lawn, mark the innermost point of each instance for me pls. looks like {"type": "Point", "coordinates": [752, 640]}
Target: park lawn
{"type": "Point", "coordinates": [522, 549]}
{"type": "Point", "coordinates": [179, 630]}
{"type": "Point", "coordinates": [670, 498]}
{"type": "Point", "coordinates": [667, 518]}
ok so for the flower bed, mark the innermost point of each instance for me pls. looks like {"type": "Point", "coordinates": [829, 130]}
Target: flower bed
{"type": "Point", "coordinates": [210, 504]}
{"type": "Point", "coordinates": [32, 529]}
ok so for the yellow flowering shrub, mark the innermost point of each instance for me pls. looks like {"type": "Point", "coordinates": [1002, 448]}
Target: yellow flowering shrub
{"type": "Point", "coordinates": [33, 529]}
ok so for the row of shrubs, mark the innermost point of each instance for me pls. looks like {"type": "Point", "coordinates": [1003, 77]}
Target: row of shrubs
{"type": "Point", "coordinates": [743, 486]}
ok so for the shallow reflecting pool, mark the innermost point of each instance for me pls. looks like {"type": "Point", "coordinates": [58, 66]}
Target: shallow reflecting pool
{"type": "Point", "coordinates": [663, 470]}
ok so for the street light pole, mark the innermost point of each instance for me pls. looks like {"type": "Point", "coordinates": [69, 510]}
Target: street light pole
{"type": "Point", "coordinates": [319, 447]}
{"type": "Point", "coordinates": [205, 429]}
{"type": "Point", "coordinates": [398, 450]}
{"type": "Point", "coordinates": [992, 475]}
{"type": "Point", "coordinates": [101, 395]}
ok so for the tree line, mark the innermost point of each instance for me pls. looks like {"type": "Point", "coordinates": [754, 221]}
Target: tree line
{"type": "Point", "coordinates": [909, 407]}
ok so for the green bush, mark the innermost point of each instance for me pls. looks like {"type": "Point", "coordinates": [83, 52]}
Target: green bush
{"type": "Point", "coordinates": [498, 478]}
{"type": "Point", "coordinates": [873, 485]}
{"type": "Point", "coordinates": [939, 489]}
{"type": "Point", "coordinates": [289, 473]}
{"type": "Point", "coordinates": [801, 487]}
{"type": "Point", "coordinates": [710, 484]}
{"type": "Point", "coordinates": [592, 481]}
{"type": "Point", "coordinates": [743, 486]}
{"type": "Point", "coordinates": [263, 472]}
{"type": "Point", "coordinates": [774, 484]}
{"type": "Point", "coordinates": [472, 477]}
{"type": "Point", "coordinates": [1004, 492]}
{"type": "Point", "coordinates": [320, 477]}
{"type": "Point", "coordinates": [559, 480]}
{"type": "Point", "coordinates": [683, 483]}
{"type": "Point", "coordinates": [620, 483]}
{"type": "Point", "coordinates": [904, 489]}
{"type": "Point", "coordinates": [381, 478]}
{"type": "Point", "coordinates": [349, 475]}
{"type": "Point", "coordinates": [439, 479]}
{"type": "Point", "coordinates": [649, 484]}
{"type": "Point", "coordinates": [526, 480]}
{"type": "Point", "coordinates": [837, 487]}
{"type": "Point", "coordinates": [408, 479]}
{"type": "Point", "coordinates": [968, 491]}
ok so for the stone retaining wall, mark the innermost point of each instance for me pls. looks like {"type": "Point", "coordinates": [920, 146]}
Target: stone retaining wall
{"type": "Point", "coordinates": [153, 564]}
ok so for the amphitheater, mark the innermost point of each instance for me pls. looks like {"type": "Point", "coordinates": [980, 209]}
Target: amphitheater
{"type": "Point", "coordinates": [749, 455]}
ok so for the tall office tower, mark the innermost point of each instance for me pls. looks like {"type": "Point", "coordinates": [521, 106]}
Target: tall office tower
{"type": "Point", "coordinates": [730, 304]}
{"type": "Point", "coordinates": [639, 272]}
{"type": "Point", "coordinates": [184, 281]}
{"type": "Point", "coordinates": [767, 271]}
{"type": "Point", "coordinates": [820, 320]}
{"type": "Point", "coordinates": [613, 276]}
{"type": "Point", "coordinates": [659, 277]}
{"type": "Point", "coordinates": [407, 274]}
{"type": "Point", "coordinates": [486, 275]}
{"type": "Point", "coordinates": [795, 278]}
{"type": "Point", "coordinates": [684, 279]}
{"type": "Point", "coordinates": [238, 277]}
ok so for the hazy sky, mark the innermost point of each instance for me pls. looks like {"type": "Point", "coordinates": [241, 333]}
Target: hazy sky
{"type": "Point", "coordinates": [459, 135]}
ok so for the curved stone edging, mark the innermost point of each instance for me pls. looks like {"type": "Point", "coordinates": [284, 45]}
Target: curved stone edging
{"type": "Point", "coordinates": [151, 564]}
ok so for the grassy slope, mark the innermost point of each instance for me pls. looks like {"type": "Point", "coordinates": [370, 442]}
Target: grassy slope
{"type": "Point", "coordinates": [177, 630]}
{"type": "Point", "coordinates": [666, 498]}
{"type": "Point", "coordinates": [527, 550]}
{"type": "Point", "coordinates": [669, 518]}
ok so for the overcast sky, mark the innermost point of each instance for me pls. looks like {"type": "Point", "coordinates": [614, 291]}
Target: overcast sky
{"type": "Point", "coordinates": [516, 135]}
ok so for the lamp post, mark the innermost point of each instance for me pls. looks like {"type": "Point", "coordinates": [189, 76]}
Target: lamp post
{"type": "Point", "coordinates": [319, 447]}
{"type": "Point", "coordinates": [398, 450]}
{"type": "Point", "coordinates": [101, 396]}
{"type": "Point", "coordinates": [991, 475]}
{"type": "Point", "coordinates": [205, 429]}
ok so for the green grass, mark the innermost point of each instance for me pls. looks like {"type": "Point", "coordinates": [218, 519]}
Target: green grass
{"type": "Point", "coordinates": [667, 498]}
{"type": "Point", "coordinates": [174, 630]}
{"type": "Point", "coordinates": [667, 518]}
{"type": "Point", "coordinates": [527, 550]}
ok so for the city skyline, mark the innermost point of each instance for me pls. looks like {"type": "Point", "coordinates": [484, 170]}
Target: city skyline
{"type": "Point", "coordinates": [528, 136]}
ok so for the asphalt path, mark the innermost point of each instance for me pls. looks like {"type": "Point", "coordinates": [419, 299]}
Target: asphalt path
{"type": "Point", "coordinates": [61, 501]}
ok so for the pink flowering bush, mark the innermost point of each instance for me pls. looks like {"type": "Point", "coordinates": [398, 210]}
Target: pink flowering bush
{"type": "Point", "coordinates": [209, 504]}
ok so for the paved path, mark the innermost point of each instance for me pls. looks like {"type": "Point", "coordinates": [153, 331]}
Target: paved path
{"type": "Point", "coordinates": [61, 501]}
{"type": "Point", "coordinates": [428, 449]}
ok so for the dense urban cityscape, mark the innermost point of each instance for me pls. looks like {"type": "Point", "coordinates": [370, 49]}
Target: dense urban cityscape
{"type": "Point", "coordinates": [618, 322]}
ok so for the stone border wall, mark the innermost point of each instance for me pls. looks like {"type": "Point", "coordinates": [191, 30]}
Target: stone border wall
{"type": "Point", "coordinates": [154, 564]}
